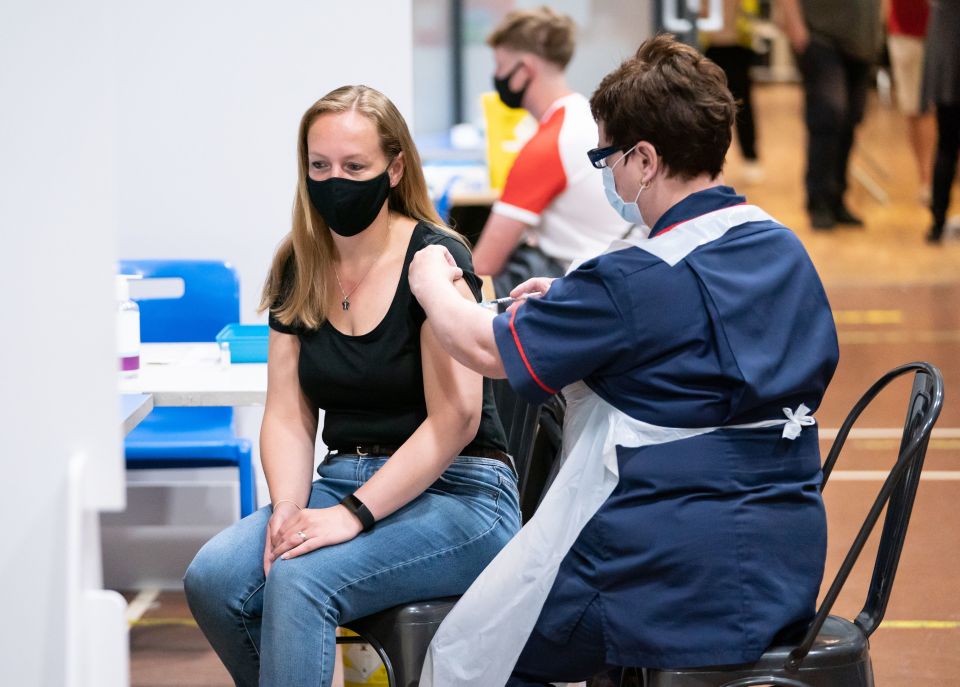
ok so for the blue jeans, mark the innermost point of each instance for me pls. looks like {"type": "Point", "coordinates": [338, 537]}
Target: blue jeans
{"type": "Point", "coordinates": [281, 630]}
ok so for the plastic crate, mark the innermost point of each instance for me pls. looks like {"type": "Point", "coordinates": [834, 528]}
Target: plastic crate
{"type": "Point", "coordinates": [248, 342]}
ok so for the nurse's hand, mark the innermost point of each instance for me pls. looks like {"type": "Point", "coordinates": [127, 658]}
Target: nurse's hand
{"type": "Point", "coordinates": [537, 285]}
{"type": "Point", "coordinates": [313, 528]}
{"type": "Point", "coordinates": [432, 267]}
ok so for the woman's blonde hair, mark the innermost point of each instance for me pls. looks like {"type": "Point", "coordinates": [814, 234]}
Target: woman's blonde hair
{"type": "Point", "coordinates": [296, 287]}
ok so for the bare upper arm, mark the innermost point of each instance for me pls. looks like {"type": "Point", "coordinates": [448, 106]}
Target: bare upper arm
{"type": "Point", "coordinates": [451, 390]}
{"type": "Point", "coordinates": [285, 398]}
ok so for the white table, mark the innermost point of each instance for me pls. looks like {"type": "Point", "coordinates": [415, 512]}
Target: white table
{"type": "Point", "coordinates": [191, 374]}
{"type": "Point", "coordinates": [133, 408]}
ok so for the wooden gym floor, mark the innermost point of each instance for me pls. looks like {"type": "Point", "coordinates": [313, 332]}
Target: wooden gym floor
{"type": "Point", "coordinates": [895, 299]}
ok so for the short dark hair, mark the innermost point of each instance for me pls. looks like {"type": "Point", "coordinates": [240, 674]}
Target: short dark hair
{"type": "Point", "coordinates": [672, 96]}
{"type": "Point", "coordinates": [540, 31]}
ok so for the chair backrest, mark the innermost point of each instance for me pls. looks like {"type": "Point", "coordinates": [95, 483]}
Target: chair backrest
{"type": "Point", "coordinates": [544, 463]}
{"type": "Point", "coordinates": [210, 300]}
{"type": "Point", "coordinates": [533, 439]}
{"type": "Point", "coordinates": [897, 493]}
{"type": "Point", "coordinates": [520, 423]}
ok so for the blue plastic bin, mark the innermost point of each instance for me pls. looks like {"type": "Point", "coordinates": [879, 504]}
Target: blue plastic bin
{"type": "Point", "coordinates": [248, 342]}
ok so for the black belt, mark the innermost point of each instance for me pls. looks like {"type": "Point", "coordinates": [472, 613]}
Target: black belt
{"type": "Point", "coordinates": [381, 450]}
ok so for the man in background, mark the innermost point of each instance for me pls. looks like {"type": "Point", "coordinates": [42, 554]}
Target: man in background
{"type": "Point", "coordinates": [553, 211]}
{"type": "Point", "coordinates": [835, 44]}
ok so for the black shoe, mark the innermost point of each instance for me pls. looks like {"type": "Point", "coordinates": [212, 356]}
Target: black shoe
{"type": "Point", "coordinates": [935, 235]}
{"type": "Point", "coordinates": [844, 216]}
{"type": "Point", "coordinates": [822, 218]}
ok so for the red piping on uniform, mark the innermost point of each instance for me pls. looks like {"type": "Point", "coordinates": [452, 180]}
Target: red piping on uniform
{"type": "Point", "coordinates": [523, 355]}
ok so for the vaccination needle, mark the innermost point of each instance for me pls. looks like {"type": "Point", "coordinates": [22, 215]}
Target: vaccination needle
{"type": "Point", "coordinates": [508, 300]}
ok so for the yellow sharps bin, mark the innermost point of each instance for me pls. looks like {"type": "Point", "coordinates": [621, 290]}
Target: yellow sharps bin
{"type": "Point", "coordinates": [362, 666]}
{"type": "Point", "coordinates": [507, 130]}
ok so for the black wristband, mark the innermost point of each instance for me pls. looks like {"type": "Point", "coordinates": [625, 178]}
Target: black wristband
{"type": "Point", "coordinates": [359, 511]}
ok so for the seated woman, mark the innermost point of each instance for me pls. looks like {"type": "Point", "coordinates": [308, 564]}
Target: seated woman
{"type": "Point", "coordinates": [416, 495]}
{"type": "Point", "coordinates": [685, 527]}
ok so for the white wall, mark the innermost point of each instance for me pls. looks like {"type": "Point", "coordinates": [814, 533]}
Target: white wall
{"type": "Point", "coordinates": [608, 31]}
{"type": "Point", "coordinates": [210, 97]}
{"type": "Point", "coordinates": [211, 94]}
{"type": "Point", "coordinates": [58, 404]}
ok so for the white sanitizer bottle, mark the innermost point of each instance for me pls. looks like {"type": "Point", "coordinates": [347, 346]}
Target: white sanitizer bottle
{"type": "Point", "coordinates": [128, 328]}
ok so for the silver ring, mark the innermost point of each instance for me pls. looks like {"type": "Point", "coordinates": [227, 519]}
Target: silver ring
{"type": "Point", "coordinates": [302, 536]}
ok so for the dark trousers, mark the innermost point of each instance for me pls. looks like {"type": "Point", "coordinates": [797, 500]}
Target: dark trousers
{"type": "Point", "coordinates": [948, 148]}
{"type": "Point", "coordinates": [544, 661]}
{"type": "Point", "coordinates": [835, 89]}
{"type": "Point", "coordinates": [735, 61]}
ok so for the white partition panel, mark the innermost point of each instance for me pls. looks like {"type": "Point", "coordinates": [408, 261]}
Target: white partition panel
{"type": "Point", "coordinates": [61, 460]}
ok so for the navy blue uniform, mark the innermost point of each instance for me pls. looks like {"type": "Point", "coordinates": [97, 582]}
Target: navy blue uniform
{"type": "Point", "coordinates": [707, 546]}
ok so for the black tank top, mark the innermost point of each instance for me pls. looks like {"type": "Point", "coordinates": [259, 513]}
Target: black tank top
{"type": "Point", "coordinates": [371, 386]}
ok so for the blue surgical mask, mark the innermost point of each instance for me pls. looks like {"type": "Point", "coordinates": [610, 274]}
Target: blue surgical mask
{"type": "Point", "coordinates": [630, 212]}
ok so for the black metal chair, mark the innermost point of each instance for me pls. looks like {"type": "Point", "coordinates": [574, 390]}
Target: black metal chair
{"type": "Point", "coordinates": [834, 652]}
{"type": "Point", "coordinates": [542, 464]}
{"type": "Point", "coordinates": [521, 422]}
{"type": "Point", "coordinates": [401, 635]}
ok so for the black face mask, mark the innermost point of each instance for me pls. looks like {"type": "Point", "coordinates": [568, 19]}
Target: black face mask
{"type": "Point", "coordinates": [349, 206]}
{"type": "Point", "coordinates": [509, 97]}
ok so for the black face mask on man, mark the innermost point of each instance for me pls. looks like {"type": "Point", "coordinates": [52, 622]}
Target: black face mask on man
{"type": "Point", "coordinates": [349, 206]}
{"type": "Point", "coordinates": [509, 97]}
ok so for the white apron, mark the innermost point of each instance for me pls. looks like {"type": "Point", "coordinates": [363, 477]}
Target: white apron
{"type": "Point", "coordinates": [479, 642]}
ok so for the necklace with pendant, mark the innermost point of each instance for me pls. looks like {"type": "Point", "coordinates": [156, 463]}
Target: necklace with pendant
{"type": "Point", "coordinates": [345, 303]}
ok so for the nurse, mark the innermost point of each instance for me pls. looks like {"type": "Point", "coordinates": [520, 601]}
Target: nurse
{"type": "Point", "coordinates": [685, 527]}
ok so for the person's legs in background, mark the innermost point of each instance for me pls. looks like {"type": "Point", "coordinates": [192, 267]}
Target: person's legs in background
{"type": "Point", "coordinates": [857, 81]}
{"type": "Point", "coordinates": [735, 61]}
{"type": "Point", "coordinates": [922, 130]}
{"type": "Point", "coordinates": [906, 62]}
{"type": "Point", "coordinates": [945, 167]}
{"type": "Point", "coordinates": [825, 112]}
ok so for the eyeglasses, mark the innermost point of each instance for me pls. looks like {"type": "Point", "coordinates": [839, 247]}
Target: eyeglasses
{"type": "Point", "coordinates": [598, 156]}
